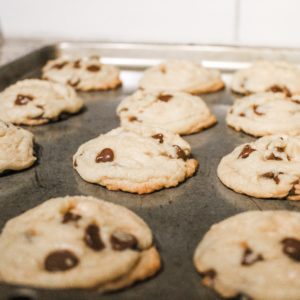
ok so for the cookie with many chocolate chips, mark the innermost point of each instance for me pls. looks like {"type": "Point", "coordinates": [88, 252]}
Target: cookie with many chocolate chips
{"type": "Point", "coordinates": [136, 159]}
{"type": "Point", "coordinates": [16, 148]}
{"type": "Point", "coordinates": [267, 76]}
{"type": "Point", "coordinates": [266, 168]}
{"type": "Point", "coordinates": [255, 254]}
{"type": "Point", "coordinates": [77, 242]}
{"type": "Point", "coordinates": [179, 112]}
{"type": "Point", "coordinates": [182, 75]}
{"type": "Point", "coordinates": [266, 113]}
{"type": "Point", "coordinates": [36, 102]}
{"type": "Point", "coordinates": [84, 74]}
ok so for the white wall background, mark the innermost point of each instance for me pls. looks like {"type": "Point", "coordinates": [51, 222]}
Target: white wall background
{"type": "Point", "coordinates": [245, 22]}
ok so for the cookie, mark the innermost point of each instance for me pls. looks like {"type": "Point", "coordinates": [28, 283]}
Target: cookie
{"type": "Point", "coordinates": [266, 168]}
{"type": "Point", "coordinates": [16, 148]}
{"type": "Point", "coordinates": [135, 159]}
{"type": "Point", "coordinates": [255, 255]}
{"type": "Point", "coordinates": [36, 102]}
{"type": "Point", "coordinates": [84, 74]}
{"type": "Point", "coordinates": [181, 75]}
{"type": "Point", "coordinates": [266, 113]}
{"type": "Point", "coordinates": [77, 242]}
{"type": "Point", "coordinates": [178, 112]}
{"type": "Point", "coordinates": [265, 76]}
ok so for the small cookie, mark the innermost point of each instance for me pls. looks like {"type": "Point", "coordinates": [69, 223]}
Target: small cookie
{"type": "Point", "coordinates": [181, 75]}
{"type": "Point", "coordinates": [178, 112]}
{"type": "Point", "coordinates": [84, 74]}
{"type": "Point", "coordinates": [36, 102]}
{"type": "Point", "coordinates": [266, 168]}
{"type": "Point", "coordinates": [135, 159]}
{"type": "Point", "coordinates": [266, 113]}
{"type": "Point", "coordinates": [77, 242]}
{"type": "Point", "coordinates": [16, 148]}
{"type": "Point", "coordinates": [254, 255]}
{"type": "Point", "coordinates": [265, 76]}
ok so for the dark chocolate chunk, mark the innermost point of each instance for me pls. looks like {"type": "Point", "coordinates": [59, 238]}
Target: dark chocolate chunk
{"type": "Point", "coordinates": [92, 238]}
{"type": "Point", "coordinates": [164, 97]}
{"type": "Point", "coordinates": [271, 175]}
{"type": "Point", "coordinates": [70, 217]}
{"type": "Point", "coordinates": [247, 150]}
{"type": "Point", "coordinates": [249, 258]}
{"type": "Point", "coordinates": [242, 114]}
{"type": "Point", "coordinates": [106, 155]}
{"type": "Point", "coordinates": [23, 99]}
{"type": "Point", "coordinates": [60, 260]}
{"type": "Point", "coordinates": [93, 68]}
{"type": "Point", "coordinates": [180, 153]}
{"type": "Point", "coordinates": [291, 247]}
{"type": "Point", "coordinates": [59, 65]}
{"type": "Point", "coordinates": [133, 119]}
{"type": "Point", "coordinates": [122, 240]}
{"type": "Point", "coordinates": [159, 137]}
{"type": "Point", "coordinates": [280, 89]}
{"type": "Point", "coordinates": [272, 156]}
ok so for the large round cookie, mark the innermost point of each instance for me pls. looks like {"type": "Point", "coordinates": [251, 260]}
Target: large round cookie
{"type": "Point", "coordinates": [36, 102]}
{"type": "Point", "coordinates": [181, 75]}
{"type": "Point", "coordinates": [178, 112]}
{"type": "Point", "coordinates": [254, 254]}
{"type": "Point", "coordinates": [84, 74]}
{"type": "Point", "coordinates": [264, 76]}
{"type": "Point", "coordinates": [77, 242]}
{"type": "Point", "coordinates": [16, 148]}
{"type": "Point", "coordinates": [266, 113]}
{"type": "Point", "coordinates": [136, 159]}
{"type": "Point", "coordinates": [266, 168]}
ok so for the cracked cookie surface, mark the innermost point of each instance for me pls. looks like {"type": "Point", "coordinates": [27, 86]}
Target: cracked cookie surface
{"type": "Point", "coordinates": [77, 242]}
{"type": "Point", "coordinates": [135, 159]}
{"type": "Point", "coordinates": [36, 102]}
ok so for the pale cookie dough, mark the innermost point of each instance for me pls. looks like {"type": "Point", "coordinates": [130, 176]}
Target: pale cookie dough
{"type": "Point", "coordinates": [266, 113]}
{"type": "Point", "coordinates": [254, 255]}
{"type": "Point", "coordinates": [77, 242]}
{"type": "Point", "coordinates": [178, 112]}
{"type": "Point", "coordinates": [135, 159]}
{"type": "Point", "coordinates": [16, 148]}
{"type": "Point", "coordinates": [264, 76]}
{"type": "Point", "coordinates": [266, 168]}
{"type": "Point", "coordinates": [181, 75]}
{"type": "Point", "coordinates": [36, 102]}
{"type": "Point", "coordinates": [84, 74]}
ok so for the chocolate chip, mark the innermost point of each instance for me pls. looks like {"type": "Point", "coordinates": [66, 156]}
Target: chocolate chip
{"type": "Point", "coordinates": [106, 155]}
{"type": "Point", "coordinates": [164, 97]}
{"type": "Point", "coordinates": [59, 65]}
{"type": "Point", "coordinates": [75, 163]}
{"type": "Point", "coordinates": [280, 149]}
{"type": "Point", "coordinates": [272, 156]}
{"type": "Point", "coordinates": [60, 260]}
{"type": "Point", "coordinates": [93, 68]}
{"type": "Point", "coordinates": [133, 119]}
{"type": "Point", "coordinates": [296, 101]}
{"type": "Point", "coordinates": [249, 258]}
{"type": "Point", "coordinates": [92, 238]}
{"type": "Point", "coordinates": [291, 247]}
{"type": "Point", "coordinates": [271, 175]}
{"type": "Point", "coordinates": [292, 191]}
{"type": "Point", "coordinates": [70, 217]}
{"type": "Point", "coordinates": [209, 277]}
{"type": "Point", "coordinates": [76, 64]}
{"type": "Point", "coordinates": [23, 99]}
{"type": "Point", "coordinates": [280, 89]}
{"type": "Point", "coordinates": [247, 150]}
{"type": "Point", "coordinates": [159, 137]}
{"type": "Point", "coordinates": [73, 82]}
{"type": "Point", "coordinates": [122, 240]}
{"type": "Point", "coordinates": [180, 153]}
{"type": "Point", "coordinates": [254, 107]}
{"type": "Point", "coordinates": [242, 114]}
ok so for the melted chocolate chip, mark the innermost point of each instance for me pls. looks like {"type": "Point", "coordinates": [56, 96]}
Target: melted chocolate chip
{"type": "Point", "coordinates": [74, 82]}
{"type": "Point", "coordinates": [76, 64]}
{"type": "Point", "coordinates": [247, 150]}
{"type": "Point", "coordinates": [291, 247]}
{"type": "Point", "coordinates": [254, 107]}
{"type": "Point", "coordinates": [159, 137]}
{"type": "Point", "coordinates": [93, 68]}
{"type": "Point", "coordinates": [70, 217]}
{"type": "Point", "coordinates": [272, 156]}
{"type": "Point", "coordinates": [296, 101]}
{"type": "Point", "coordinates": [280, 89]}
{"type": "Point", "coordinates": [23, 99]}
{"type": "Point", "coordinates": [106, 155]}
{"type": "Point", "coordinates": [271, 175]}
{"type": "Point", "coordinates": [165, 97]}
{"type": "Point", "coordinates": [249, 258]}
{"type": "Point", "coordinates": [242, 114]}
{"type": "Point", "coordinates": [60, 260]}
{"type": "Point", "coordinates": [92, 238]}
{"type": "Point", "coordinates": [208, 277]}
{"type": "Point", "coordinates": [180, 153]}
{"type": "Point", "coordinates": [122, 240]}
{"type": "Point", "coordinates": [133, 119]}
{"type": "Point", "coordinates": [59, 65]}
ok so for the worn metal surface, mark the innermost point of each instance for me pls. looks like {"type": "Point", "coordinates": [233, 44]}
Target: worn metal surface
{"type": "Point", "coordinates": [179, 216]}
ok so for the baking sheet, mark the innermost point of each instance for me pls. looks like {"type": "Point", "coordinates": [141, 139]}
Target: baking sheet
{"type": "Point", "coordinates": [180, 216]}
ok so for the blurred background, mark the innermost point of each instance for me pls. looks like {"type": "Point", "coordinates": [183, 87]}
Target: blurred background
{"type": "Point", "coordinates": [232, 22]}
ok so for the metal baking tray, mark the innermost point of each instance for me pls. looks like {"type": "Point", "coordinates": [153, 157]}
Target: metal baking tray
{"type": "Point", "coordinates": [180, 216]}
